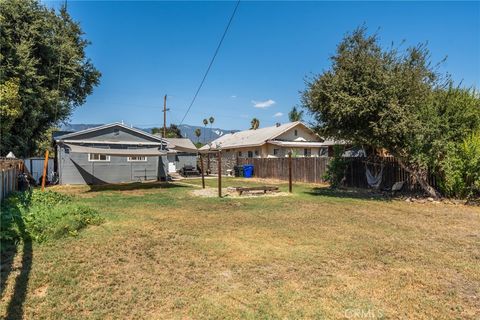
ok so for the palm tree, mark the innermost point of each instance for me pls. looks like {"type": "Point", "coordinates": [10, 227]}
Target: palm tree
{"type": "Point", "coordinates": [198, 133]}
{"type": "Point", "coordinates": [211, 120]}
{"type": "Point", "coordinates": [254, 124]}
{"type": "Point", "coordinates": [205, 122]}
{"type": "Point", "coordinates": [295, 115]}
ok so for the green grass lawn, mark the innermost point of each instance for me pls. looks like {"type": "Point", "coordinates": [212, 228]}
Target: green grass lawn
{"type": "Point", "coordinates": [163, 253]}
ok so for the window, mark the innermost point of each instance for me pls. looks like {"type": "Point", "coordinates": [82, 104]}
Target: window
{"type": "Point", "coordinates": [295, 132]}
{"type": "Point", "coordinates": [323, 152]}
{"type": "Point", "coordinates": [276, 152]}
{"type": "Point", "coordinates": [116, 132]}
{"type": "Point", "coordinates": [137, 159]}
{"type": "Point", "coordinates": [250, 154]}
{"type": "Point", "coordinates": [66, 150]}
{"type": "Point", "coordinates": [239, 153]}
{"type": "Point", "coordinates": [256, 153]}
{"type": "Point", "coordinates": [98, 157]}
{"type": "Point", "coordinates": [307, 152]}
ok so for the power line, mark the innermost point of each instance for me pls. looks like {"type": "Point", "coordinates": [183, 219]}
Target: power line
{"type": "Point", "coordinates": [211, 62]}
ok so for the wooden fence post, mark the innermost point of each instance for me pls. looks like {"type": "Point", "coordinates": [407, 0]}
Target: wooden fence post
{"type": "Point", "coordinates": [45, 166]}
{"type": "Point", "coordinates": [290, 172]}
{"type": "Point", "coordinates": [219, 162]}
{"type": "Point", "coordinates": [201, 168]}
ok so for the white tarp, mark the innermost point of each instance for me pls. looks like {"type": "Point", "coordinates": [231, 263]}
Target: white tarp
{"type": "Point", "coordinates": [117, 152]}
{"type": "Point", "coordinates": [374, 181]}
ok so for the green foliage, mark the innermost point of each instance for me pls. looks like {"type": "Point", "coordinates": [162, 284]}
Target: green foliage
{"type": "Point", "coordinates": [10, 104]}
{"type": "Point", "coordinates": [198, 133]}
{"type": "Point", "coordinates": [336, 168]}
{"type": "Point", "coordinates": [172, 132]}
{"type": "Point", "coordinates": [43, 68]}
{"type": "Point", "coordinates": [392, 99]}
{"type": "Point", "coordinates": [254, 124]}
{"type": "Point", "coordinates": [461, 168]}
{"type": "Point", "coordinates": [295, 115]}
{"type": "Point", "coordinates": [41, 216]}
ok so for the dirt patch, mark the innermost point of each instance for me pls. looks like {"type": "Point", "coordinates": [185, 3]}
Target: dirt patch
{"type": "Point", "coordinates": [230, 193]}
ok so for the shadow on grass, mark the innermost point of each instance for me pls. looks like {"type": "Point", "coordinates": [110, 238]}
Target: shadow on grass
{"type": "Point", "coordinates": [135, 186]}
{"type": "Point", "coordinates": [351, 193]}
{"type": "Point", "coordinates": [15, 306]}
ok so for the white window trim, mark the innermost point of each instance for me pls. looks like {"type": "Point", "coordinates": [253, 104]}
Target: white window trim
{"type": "Point", "coordinates": [107, 159]}
{"type": "Point", "coordinates": [129, 159]}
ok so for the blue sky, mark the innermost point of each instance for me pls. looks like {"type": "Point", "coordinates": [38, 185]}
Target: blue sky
{"type": "Point", "coordinates": [147, 49]}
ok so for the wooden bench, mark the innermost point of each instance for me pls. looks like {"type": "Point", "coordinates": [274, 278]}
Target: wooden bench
{"type": "Point", "coordinates": [189, 171]}
{"type": "Point", "coordinates": [241, 190]}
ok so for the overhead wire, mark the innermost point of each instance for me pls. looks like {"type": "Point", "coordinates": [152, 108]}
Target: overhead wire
{"type": "Point", "coordinates": [211, 61]}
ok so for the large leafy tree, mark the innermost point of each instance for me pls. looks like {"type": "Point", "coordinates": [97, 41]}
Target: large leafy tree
{"type": "Point", "coordinates": [393, 99]}
{"type": "Point", "coordinates": [44, 72]}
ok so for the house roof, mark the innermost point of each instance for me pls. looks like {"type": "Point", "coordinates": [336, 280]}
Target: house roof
{"type": "Point", "coordinates": [117, 152]}
{"type": "Point", "coordinates": [298, 144]}
{"type": "Point", "coordinates": [77, 133]}
{"type": "Point", "coordinates": [181, 144]}
{"type": "Point", "coordinates": [251, 138]}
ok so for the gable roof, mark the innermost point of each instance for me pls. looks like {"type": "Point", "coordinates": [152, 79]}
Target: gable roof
{"type": "Point", "coordinates": [106, 126]}
{"type": "Point", "coordinates": [252, 138]}
{"type": "Point", "coordinates": [181, 144]}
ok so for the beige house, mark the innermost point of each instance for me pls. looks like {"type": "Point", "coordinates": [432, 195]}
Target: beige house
{"type": "Point", "coordinates": [271, 142]}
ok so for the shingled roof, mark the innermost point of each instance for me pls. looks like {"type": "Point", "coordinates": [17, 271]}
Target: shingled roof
{"type": "Point", "coordinates": [251, 138]}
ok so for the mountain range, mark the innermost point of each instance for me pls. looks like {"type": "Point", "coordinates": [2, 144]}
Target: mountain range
{"type": "Point", "coordinates": [188, 131]}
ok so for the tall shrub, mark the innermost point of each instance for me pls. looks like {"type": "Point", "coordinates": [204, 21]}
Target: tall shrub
{"type": "Point", "coordinates": [461, 168]}
{"type": "Point", "coordinates": [336, 168]}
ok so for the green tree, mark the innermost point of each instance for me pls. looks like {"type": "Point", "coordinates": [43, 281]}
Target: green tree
{"type": "Point", "coordinates": [295, 115]}
{"type": "Point", "coordinates": [211, 120]}
{"type": "Point", "coordinates": [392, 99]}
{"type": "Point", "coordinates": [198, 133]}
{"type": "Point", "coordinates": [173, 131]}
{"type": "Point", "coordinates": [10, 105]}
{"type": "Point", "coordinates": [205, 123]}
{"type": "Point", "coordinates": [44, 53]}
{"type": "Point", "coordinates": [254, 124]}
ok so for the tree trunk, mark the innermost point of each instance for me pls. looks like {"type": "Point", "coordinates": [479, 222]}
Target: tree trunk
{"type": "Point", "coordinates": [422, 180]}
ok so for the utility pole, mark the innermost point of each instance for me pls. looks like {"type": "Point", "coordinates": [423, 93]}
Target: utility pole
{"type": "Point", "coordinates": [165, 116]}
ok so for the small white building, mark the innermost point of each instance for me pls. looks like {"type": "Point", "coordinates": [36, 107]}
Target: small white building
{"type": "Point", "coordinates": [272, 142]}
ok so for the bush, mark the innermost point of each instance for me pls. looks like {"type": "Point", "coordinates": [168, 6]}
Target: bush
{"type": "Point", "coordinates": [41, 216]}
{"type": "Point", "coordinates": [461, 169]}
{"type": "Point", "coordinates": [336, 168]}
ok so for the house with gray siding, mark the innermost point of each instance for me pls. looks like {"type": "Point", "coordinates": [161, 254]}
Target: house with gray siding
{"type": "Point", "coordinates": [181, 152]}
{"type": "Point", "coordinates": [111, 153]}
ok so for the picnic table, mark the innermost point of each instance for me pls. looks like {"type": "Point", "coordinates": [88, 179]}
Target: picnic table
{"type": "Point", "coordinates": [241, 190]}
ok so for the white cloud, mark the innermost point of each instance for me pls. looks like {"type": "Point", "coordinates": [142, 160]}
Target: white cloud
{"type": "Point", "coordinates": [234, 96]}
{"type": "Point", "coordinates": [263, 104]}
{"type": "Point", "coordinates": [278, 114]}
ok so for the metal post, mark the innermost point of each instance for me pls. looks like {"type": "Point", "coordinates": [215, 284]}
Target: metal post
{"type": "Point", "coordinates": [165, 116]}
{"type": "Point", "coordinates": [201, 168]}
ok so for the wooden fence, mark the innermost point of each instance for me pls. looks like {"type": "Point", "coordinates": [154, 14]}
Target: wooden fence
{"type": "Point", "coordinates": [312, 170]}
{"type": "Point", "coordinates": [392, 172]}
{"type": "Point", "coordinates": [309, 170]}
{"type": "Point", "coordinates": [10, 168]}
